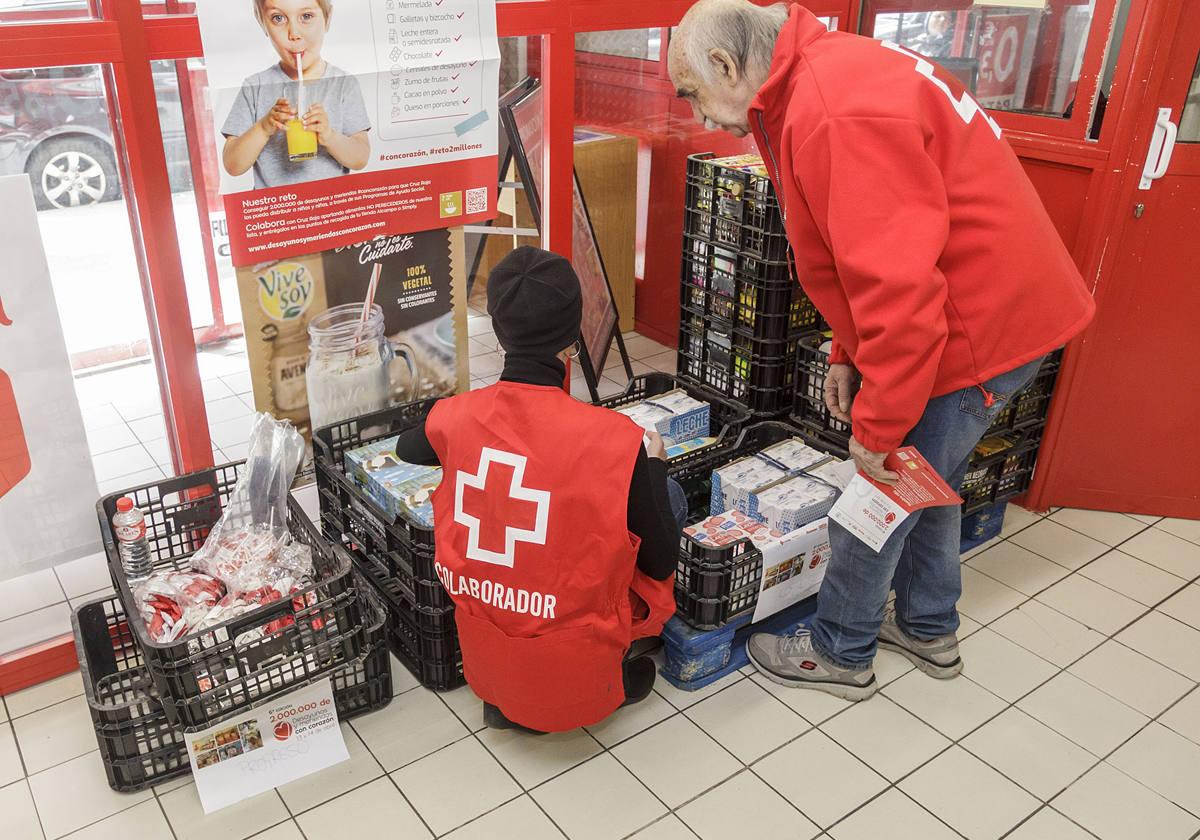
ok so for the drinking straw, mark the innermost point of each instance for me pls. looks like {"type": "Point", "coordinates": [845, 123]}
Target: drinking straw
{"type": "Point", "coordinates": [372, 287]}
{"type": "Point", "coordinates": [300, 83]}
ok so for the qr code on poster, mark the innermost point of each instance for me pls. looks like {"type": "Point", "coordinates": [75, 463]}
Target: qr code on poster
{"type": "Point", "coordinates": [477, 200]}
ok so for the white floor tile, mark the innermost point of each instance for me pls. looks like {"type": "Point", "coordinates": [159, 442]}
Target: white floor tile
{"type": "Point", "coordinates": [226, 408]}
{"type": "Point", "coordinates": [814, 706]}
{"type": "Point", "coordinates": [985, 599]}
{"type": "Point", "coordinates": [374, 810]}
{"type": "Point", "coordinates": [1167, 642]}
{"type": "Point", "coordinates": [44, 695]}
{"type": "Point", "coordinates": [56, 734]}
{"type": "Point", "coordinates": [1018, 568]}
{"type": "Point", "coordinates": [1133, 578]}
{"type": "Point", "coordinates": [894, 816]}
{"type": "Point", "coordinates": [1165, 762]}
{"type": "Point", "coordinates": [1060, 544]}
{"type": "Point", "coordinates": [479, 326]}
{"type": "Point", "coordinates": [682, 700]}
{"type": "Point", "coordinates": [657, 755]}
{"type": "Point", "coordinates": [455, 785]}
{"type": "Point", "coordinates": [88, 574]}
{"type": "Point", "coordinates": [889, 739]}
{"type": "Point", "coordinates": [145, 822]}
{"type": "Point", "coordinates": [149, 428]}
{"type": "Point", "coordinates": [309, 792]}
{"type": "Point", "coordinates": [1132, 678]}
{"type": "Point", "coordinates": [462, 701]}
{"type": "Point", "coordinates": [100, 416]}
{"type": "Point", "coordinates": [1184, 717]}
{"type": "Point", "coordinates": [610, 387]}
{"type": "Point", "coordinates": [1167, 551]}
{"type": "Point", "coordinates": [20, 814]}
{"type": "Point", "coordinates": [668, 828]}
{"type": "Point", "coordinates": [1185, 606]}
{"type": "Point", "coordinates": [1114, 807]}
{"type": "Point", "coordinates": [1086, 715]}
{"type": "Point", "coordinates": [36, 627]}
{"type": "Point", "coordinates": [629, 721]}
{"type": "Point", "coordinates": [1003, 667]}
{"type": "Point", "coordinates": [412, 726]}
{"type": "Point", "coordinates": [107, 438]}
{"type": "Point", "coordinates": [666, 362]}
{"type": "Point", "coordinates": [160, 450]}
{"type": "Point", "coordinates": [745, 806]}
{"type": "Point", "coordinates": [533, 760]}
{"type": "Point", "coordinates": [1048, 633]}
{"type": "Point", "coordinates": [487, 365]}
{"type": "Point", "coordinates": [1108, 528]}
{"type": "Point", "coordinates": [969, 796]}
{"type": "Point", "coordinates": [1092, 604]}
{"type": "Point", "coordinates": [230, 434]}
{"type": "Point", "coordinates": [1030, 753]}
{"type": "Point", "coordinates": [642, 348]}
{"type": "Point", "coordinates": [521, 818]}
{"type": "Point", "coordinates": [76, 794]}
{"type": "Point", "coordinates": [29, 593]}
{"type": "Point", "coordinates": [239, 383]}
{"type": "Point", "coordinates": [1187, 529]}
{"type": "Point", "coordinates": [1048, 824]}
{"type": "Point", "coordinates": [599, 800]}
{"type": "Point", "coordinates": [953, 707]}
{"type": "Point", "coordinates": [967, 626]}
{"type": "Point", "coordinates": [137, 479]}
{"type": "Point", "coordinates": [979, 549]}
{"type": "Point", "coordinates": [242, 820]}
{"type": "Point", "coordinates": [1017, 518]}
{"type": "Point", "coordinates": [121, 462]}
{"type": "Point", "coordinates": [747, 721]}
{"type": "Point", "coordinates": [890, 666]}
{"type": "Point", "coordinates": [838, 784]}
{"type": "Point", "coordinates": [11, 769]}
{"type": "Point", "coordinates": [284, 831]}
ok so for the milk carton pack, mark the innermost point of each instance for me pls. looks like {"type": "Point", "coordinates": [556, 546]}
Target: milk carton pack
{"type": "Point", "coordinates": [399, 488]}
{"type": "Point", "coordinates": [729, 527]}
{"type": "Point", "coordinates": [674, 415]}
{"type": "Point", "coordinates": [793, 503]}
{"type": "Point", "coordinates": [733, 483]}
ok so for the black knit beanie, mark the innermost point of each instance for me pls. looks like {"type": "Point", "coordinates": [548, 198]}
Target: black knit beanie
{"type": "Point", "coordinates": [535, 303]}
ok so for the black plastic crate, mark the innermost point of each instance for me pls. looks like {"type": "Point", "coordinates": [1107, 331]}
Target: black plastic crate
{"type": "Point", "coordinates": [205, 676]}
{"type": "Point", "coordinates": [425, 641]}
{"type": "Point", "coordinates": [1031, 407]}
{"type": "Point", "coordinates": [808, 408]}
{"type": "Point", "coordinates": [714, 584]}
{"type": "Point", "coordinates": [139, 746]}
{"type": "Point", "coordinates": [994, 479]}
{"type": "Point", "coordinates": [734, 207]}
{"type": "Point", "coordinates": [756, 373]}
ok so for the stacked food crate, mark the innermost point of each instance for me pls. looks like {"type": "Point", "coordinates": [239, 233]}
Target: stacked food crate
{"type": "Point", "coordinates": [1002, 465]}
{"type": "Point", "coordinates": [145, 695]}
{"type": "Point", "coordinates": [742, 311]}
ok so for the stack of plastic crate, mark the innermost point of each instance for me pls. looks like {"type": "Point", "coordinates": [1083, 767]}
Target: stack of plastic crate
{"type": "Point", "coordinates": [742, 311]}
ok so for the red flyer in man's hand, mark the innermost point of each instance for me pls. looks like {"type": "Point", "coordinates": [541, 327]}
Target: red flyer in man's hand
{"type": "Point", "coordinates": [920, 486]}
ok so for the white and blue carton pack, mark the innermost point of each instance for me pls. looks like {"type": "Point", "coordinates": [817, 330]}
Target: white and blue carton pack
{"type": "Point", "coordinates": [675, 415]}
{"type": "Point", "coordinates": [733, 483]}
{"type": "Point", "coordinates": [793, 503]}
{"type": "Point", "coordinates": [399, 488]}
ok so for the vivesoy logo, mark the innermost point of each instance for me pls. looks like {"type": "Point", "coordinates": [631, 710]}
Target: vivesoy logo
{"type": "Point", "coordinates": [285, 291]}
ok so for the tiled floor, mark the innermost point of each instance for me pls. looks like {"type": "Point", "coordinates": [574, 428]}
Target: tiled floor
{"type": "Point", "coordinates": [1077, 716]}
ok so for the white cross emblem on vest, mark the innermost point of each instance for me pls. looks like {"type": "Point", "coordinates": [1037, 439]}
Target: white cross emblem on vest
{"type": "Point", "coordinates": [518, 496]}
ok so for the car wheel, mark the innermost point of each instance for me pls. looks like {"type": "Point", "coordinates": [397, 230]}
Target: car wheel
{"type": "Point", "coordinates": [73, 172]}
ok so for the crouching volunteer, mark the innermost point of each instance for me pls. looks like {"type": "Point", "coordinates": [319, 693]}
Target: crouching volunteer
{"type": "Point", "coordinates": [557, 533]}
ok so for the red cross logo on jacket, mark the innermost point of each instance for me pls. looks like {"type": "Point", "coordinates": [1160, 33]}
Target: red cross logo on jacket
{"type": "Point", "coordinates": [492, 536]}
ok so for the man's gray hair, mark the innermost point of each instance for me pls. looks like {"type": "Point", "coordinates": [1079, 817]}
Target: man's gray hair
{"type": "Point", "coordinates": [746, 31]}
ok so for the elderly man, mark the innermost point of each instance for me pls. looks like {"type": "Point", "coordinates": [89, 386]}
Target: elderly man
{"type": "Point", "coordinates": [920, 239]}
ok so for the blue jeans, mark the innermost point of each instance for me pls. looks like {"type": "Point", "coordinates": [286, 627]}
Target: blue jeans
{"type": "Point", "coordinates": [920, 560]}
{"type": "Point", "coordinates": [679, 502]}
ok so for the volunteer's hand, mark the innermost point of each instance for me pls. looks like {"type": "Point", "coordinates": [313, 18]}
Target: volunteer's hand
{"type": "Point", "coordinates": [839, 391]}
{"type": "Point", "coordinates": [317, 120]}
{"type": "Point", "coordinates": [277, 118]}
{"type": "Point", "coordinates": [871, 463]}
{"type": "Point", "coordinates": [655, 447]}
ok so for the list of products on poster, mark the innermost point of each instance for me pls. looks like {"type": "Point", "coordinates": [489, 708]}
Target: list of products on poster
{"type": "Point", "coordinates": [340, 122]}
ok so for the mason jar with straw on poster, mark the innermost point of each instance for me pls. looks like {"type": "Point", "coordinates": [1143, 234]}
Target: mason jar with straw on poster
{"type": "Point", "coordinates": [350, 361]}
{"type": "Point", "coordinates": [302, 143]}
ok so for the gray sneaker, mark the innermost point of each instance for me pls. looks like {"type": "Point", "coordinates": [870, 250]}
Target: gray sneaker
{"type": "Point", "coordinates": [938, 658]}
{"type": "Point", "coordinates": [791, 661]}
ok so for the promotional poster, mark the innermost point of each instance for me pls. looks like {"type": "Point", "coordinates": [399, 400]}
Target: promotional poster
{"type": "Point", "coordinates": [47, 485]}
{"type": "Point", "coordinates": [421, 290]}
{"type": "Point", "coordinates": [337, 122]}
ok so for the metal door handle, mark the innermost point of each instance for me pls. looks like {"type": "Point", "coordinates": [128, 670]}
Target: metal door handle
{"type": "Point", "coordinates": [1162, 146]}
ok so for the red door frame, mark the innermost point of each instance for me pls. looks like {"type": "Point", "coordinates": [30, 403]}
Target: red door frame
{"type": "Point", "coordinates": [124, 38]}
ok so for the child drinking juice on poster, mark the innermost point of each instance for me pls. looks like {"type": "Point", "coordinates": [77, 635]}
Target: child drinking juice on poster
{"type": "Point", "coordinates": [267, 130]}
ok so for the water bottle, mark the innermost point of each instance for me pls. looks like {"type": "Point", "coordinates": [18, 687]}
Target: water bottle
{"type": "Point", "coordinates": [129, 523]}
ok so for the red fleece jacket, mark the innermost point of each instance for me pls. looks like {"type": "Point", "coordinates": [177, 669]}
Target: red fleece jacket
{"type": "Point", "coordinates": [915, 230]}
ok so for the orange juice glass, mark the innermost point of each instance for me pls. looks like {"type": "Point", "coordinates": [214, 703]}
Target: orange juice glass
{"type": "Point", "coordinates": [302, 143]}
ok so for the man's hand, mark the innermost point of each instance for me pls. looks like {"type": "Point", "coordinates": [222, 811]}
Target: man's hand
{"type": "Point", "coordinates": [839, 391]}
{"type": "Point", "coordinates": [655, 447]}
{"type": "Point", "coordinates": [871, 463]}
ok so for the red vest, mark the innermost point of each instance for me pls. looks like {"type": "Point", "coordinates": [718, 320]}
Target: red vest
{"type": "Point", "coordinates": [533, 545]}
